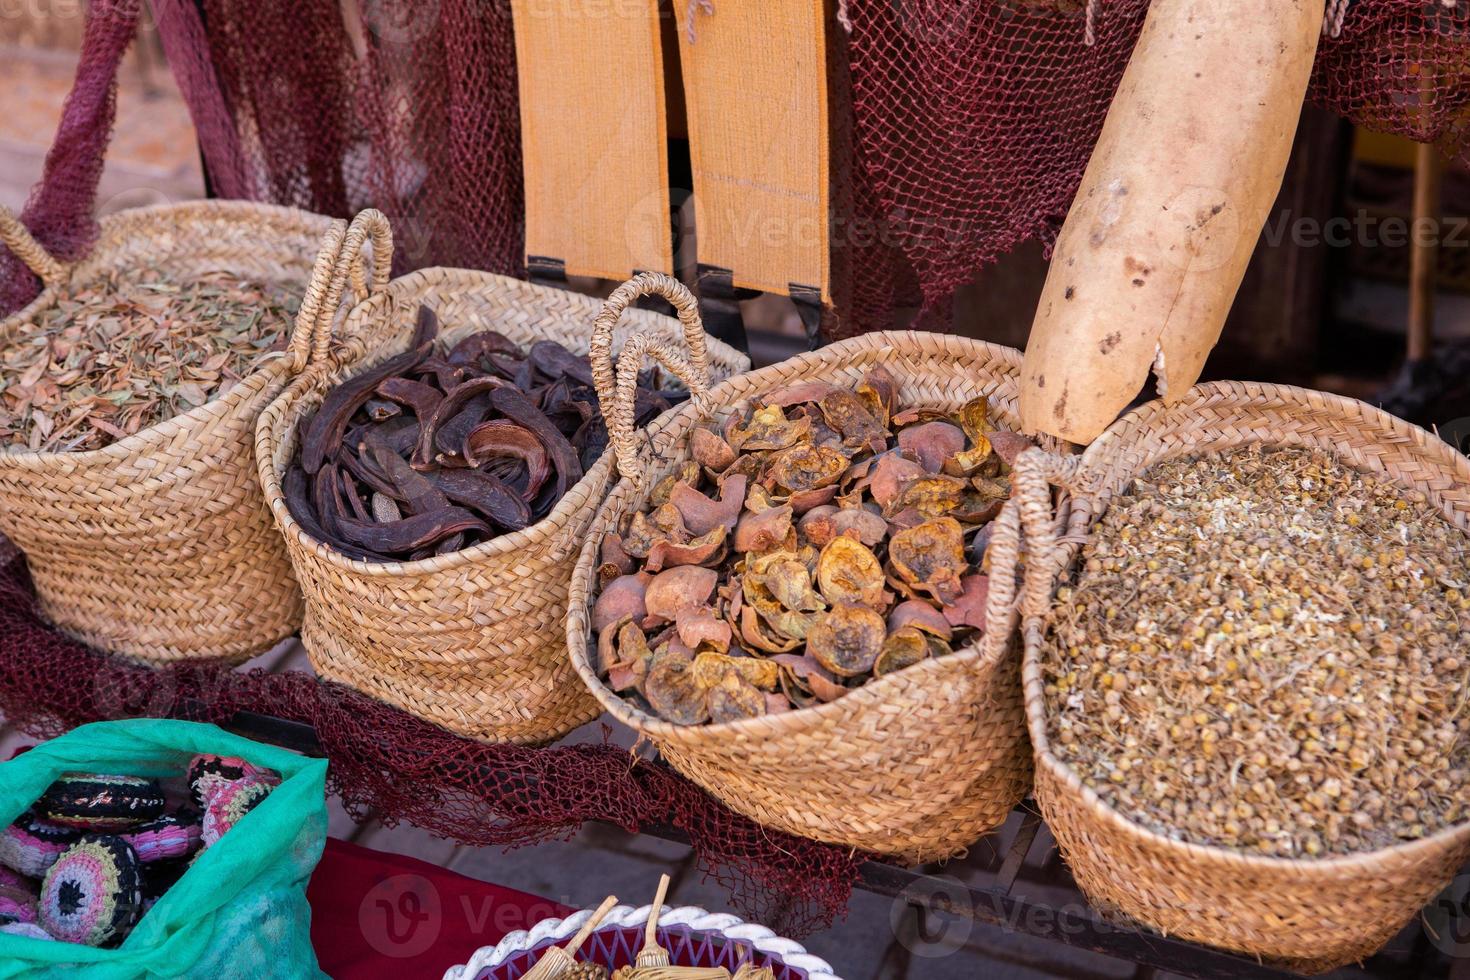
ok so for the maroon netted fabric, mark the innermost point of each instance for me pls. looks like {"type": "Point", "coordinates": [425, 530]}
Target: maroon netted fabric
{"type": "Point", "coordinates": [974, 121]}
{"type": "Point", "coordinates": [404, 105]}
{"type": "Point", "coordinates": [59, 209]}
{"type": "Point", "coordinates": [401, 768]}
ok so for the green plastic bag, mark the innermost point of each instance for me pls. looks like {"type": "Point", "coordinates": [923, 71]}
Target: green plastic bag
{"type": "Point", "coordinates": [240, 910]}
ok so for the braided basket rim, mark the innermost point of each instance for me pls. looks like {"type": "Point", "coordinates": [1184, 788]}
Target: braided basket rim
{"type": "Point", "coordinates": [285, 415]}
{"type": "Point", "coordinates": [1115, 438]}
{"type": "Point", "coordinates": [692, 917]}
{"type": "Point", "coordinates": [872, 693]}
{"type": "Point", "coordinates": [140, 221]}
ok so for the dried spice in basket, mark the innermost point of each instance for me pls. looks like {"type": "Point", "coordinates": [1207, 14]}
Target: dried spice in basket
{"type": "Point", "coordinates": [816, 540]}
{"type": "Point", "coordinates": [444, 447]}
{"type": "Point", "coordinates": [127, 351]}
{"type": "Point", "coordinates": [1265, 650]}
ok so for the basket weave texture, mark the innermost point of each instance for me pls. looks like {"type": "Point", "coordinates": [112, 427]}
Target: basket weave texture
{"type": "Point", "coordinates": [916, 764]}
{"type": "Point", "coordinates": [472, 640]}
{"type": "Point", "coordinates": [1311, 914]}
{"type": "Point", "coordinates": [159, 547]}
{"type": "Point", "coordinates": [692, 936]}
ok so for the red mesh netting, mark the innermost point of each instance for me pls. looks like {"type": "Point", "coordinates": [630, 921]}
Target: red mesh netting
{"type": "Point", "coordinates": [974, 121]}
{"type": "Point", "coordinates": [402, 768]}
{"type": "Point", "coordinates": [405, 105]}
{"type": "Point", "coordinates": [59, 209]}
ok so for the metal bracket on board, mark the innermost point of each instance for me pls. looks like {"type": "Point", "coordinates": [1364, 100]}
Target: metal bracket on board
{"type": "Point", "coordinates": [719, 305]}
{"type": "Point", "coordinates": [545, 271]}
{"type": "Point", "coordinates": [808, 300]}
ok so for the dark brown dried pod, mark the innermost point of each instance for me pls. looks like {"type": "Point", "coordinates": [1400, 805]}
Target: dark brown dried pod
{"type": "Point", "coordinates": [676, 589]}
{"type": "Point", "coordinates": [455, 403]}
{"type": "Point", "coordinates": [474, 350]}
{"type": "Point", "coordinates": [486, 494]}
{"type": "Point", "coordinates": [931, 557]}
{"type": "Point", "coordinates": [622, 597]}
{"type": "Point", "coordinates": [420, 398]}
{"type": "Point", "coordinates": [564, 460]}
{"type": "Point", "coordinates": [968, 608]}
{"type": "Point", "coordinates": [763, 531]}
{"type": "Point", "coordinates": [918, 614]}
{"type": "Point", "coordinates": [327, 427]}
{"type": "Point", "coordinates": [847, 639]}
{"type": "Point", "coordinates": [735, 699]}
{"type": "Point", "coordinates": [806, 467]}
{"type": "Point", "coordinates": [673, 691]}
{"type": "Point", "coordinates": [932, 443]}
{"type": "Point", "coordinates": [701, 514]}
{"type": "Point", "coordinates": [849, 572]}
{"type": "Point", "coordinates": [903, 648]}
{"type": "Point", "coordinates": [710, 450]}
{"type": "Point", "coordinates": [419, 531]}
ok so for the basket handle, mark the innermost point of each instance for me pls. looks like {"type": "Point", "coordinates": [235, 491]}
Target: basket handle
{"type": "Point", "coordinates": [18, 238]}
{"type": "Point", "coordinates": [1026, 528]}
{"type": "Point", "coordinates": [335, 268]}
{"type": "Point", "coordinates": [615, 395]}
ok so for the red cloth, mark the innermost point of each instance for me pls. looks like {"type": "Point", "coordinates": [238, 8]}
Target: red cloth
{"type": "Point", "coordinates": [377, 915]}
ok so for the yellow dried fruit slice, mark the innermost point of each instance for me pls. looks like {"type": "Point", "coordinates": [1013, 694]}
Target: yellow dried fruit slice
{"type": "Point", "coordinates": [786, 578]}
{"type": "Point", "coordinates": [807, 467]}
{"type": "Point", "coordinates": [903, 648]}
{"type": "Point", "coordinates": [769, 428]}
{"type": "Point", "coordinates": [974, 417]}
{"type": "Point", "coordinates": [848, 639]}
{"type": "Point", "coordinates": [931, 496]}
{"type": "Point", "coordinates": [673, 690]}
{"type": "Point", "coordinates": [711, 668]}
{"type": "Point", "coordinates": [687, 473]}
{"type": "Point", "coordinates": [931, 557]}
{"type": "Point", "coordinates": [734, 699]}
{"type": "Point", "coordinates": [848, 571]}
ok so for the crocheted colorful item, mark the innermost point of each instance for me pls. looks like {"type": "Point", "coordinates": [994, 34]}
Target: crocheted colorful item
{"type": "Point", "coordinates": [101, 802]}
{"type": "Point", "coordinates": [17, 898]}
{"type": "Point", "coordinates": [28, 929]}
{"type": "Point", "coordinates": [93, 894]}
{"type": "Point", "coordinates": [31, 845]}
{"type": "Point", "coordinates": [209, 770]}
{"type": "Point", "coordinates": [226, 803]}
{"type": "Point", "coordinates": [170, 836]}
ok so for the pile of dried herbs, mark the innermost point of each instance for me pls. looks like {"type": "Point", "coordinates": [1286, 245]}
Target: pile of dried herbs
{"type": "Point", "coordinates": [817, 540]}
{"type": "Point", "coordinates": [130, 350]}
{"type": "Point", "coordinates": [1265, 650]}
{"type": "Point", "coordinates": [445, 447]}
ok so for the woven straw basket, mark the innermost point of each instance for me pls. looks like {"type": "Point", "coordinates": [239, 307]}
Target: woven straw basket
{"type": "Point", "coordinates": [159, 547]}
{"type": "Point", "coordinates": [692, 936]}
{"type": "Point", "coordinates": [916, 764]}
{"type": "Point", "coordinates": [1309, 914]}
{"type": "Point", "coordinates": [471, 640]}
